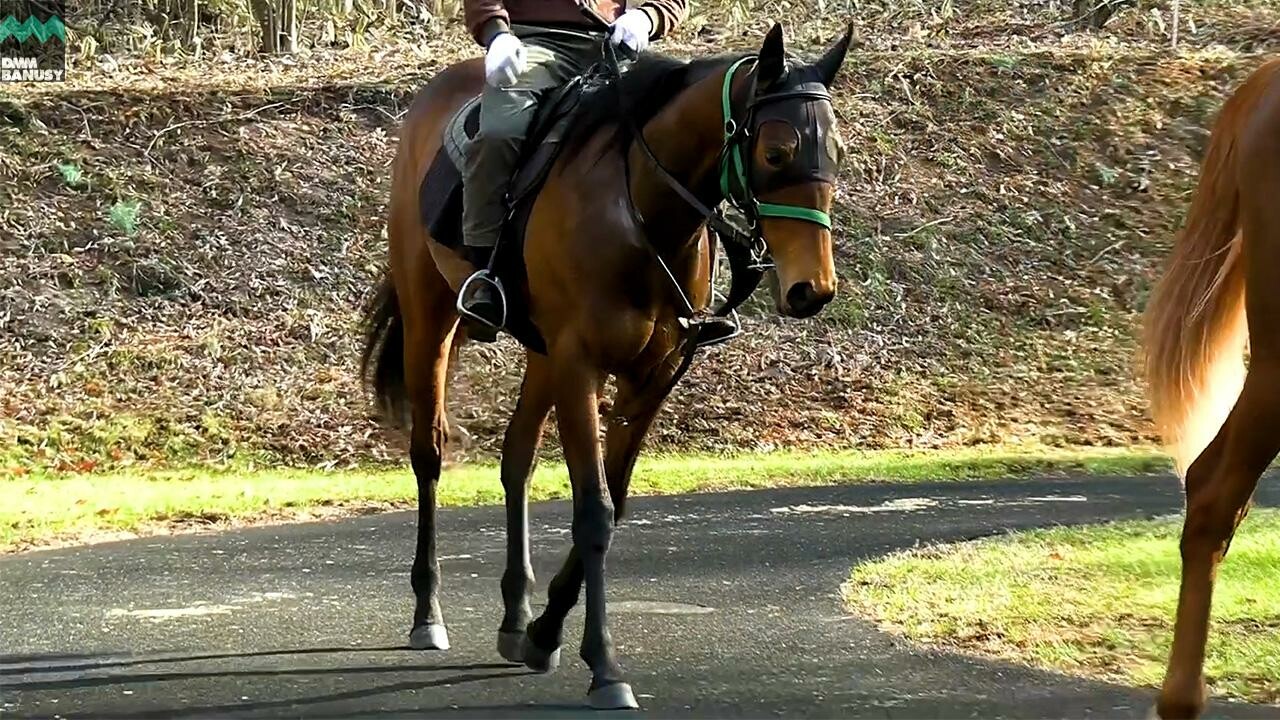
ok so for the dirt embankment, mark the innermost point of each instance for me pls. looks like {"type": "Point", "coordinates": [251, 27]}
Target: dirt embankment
{"type": "Point", "coordinates": [186, 246]}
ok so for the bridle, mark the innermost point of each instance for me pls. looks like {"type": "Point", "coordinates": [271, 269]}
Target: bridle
{"type": "Point", "coordinates": [745, 246]}
{"type": "Point", "coordinates": [735, 182]}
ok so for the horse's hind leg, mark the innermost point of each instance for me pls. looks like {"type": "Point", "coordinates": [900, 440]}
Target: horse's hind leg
{"type": "Point", "coordinates": [430, 320]}
{"type": "Point", "coordinates": [1222, 480]}
{"type": "Point", "coordinates": [1220, 484]}
{"type": "Point", "coordinates": [519, 455]}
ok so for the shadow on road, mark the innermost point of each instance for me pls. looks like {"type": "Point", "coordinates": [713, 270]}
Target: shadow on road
{"type": "Point", "coordinates": [32, 667]}
{"type": "Point", "coordinates": [36, 663]}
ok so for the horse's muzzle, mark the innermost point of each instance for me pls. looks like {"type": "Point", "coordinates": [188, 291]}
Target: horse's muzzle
{"type": "Point", "coordinates": [803, 300]}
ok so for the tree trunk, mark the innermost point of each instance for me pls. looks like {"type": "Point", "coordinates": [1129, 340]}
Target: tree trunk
{"type": "Point", "coordinates": [1096, 13]}
{"type": "Point", "coordinates": [264, 11]}
{"type": "Point", "coordinates": [288, 26]}
{"type": "Point", "coordinates": [278, 21]}
{"type": "Point", "coordinates": [191, 22]}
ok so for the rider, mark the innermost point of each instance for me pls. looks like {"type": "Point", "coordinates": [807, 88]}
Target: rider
{"type": "Point", "coordinates": [532, 46]}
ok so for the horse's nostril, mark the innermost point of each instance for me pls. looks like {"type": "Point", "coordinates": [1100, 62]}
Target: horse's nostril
{"type": "Point", "coordinates": [800, 296]}
{"type": "Point", "coordinates": [804, 300]}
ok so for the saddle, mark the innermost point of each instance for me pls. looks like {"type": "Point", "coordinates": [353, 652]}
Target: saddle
{"type": "Point", "coordinates": [440, 195]}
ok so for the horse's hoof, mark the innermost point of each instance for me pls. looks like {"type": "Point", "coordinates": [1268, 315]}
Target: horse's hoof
{"type": "Point", "coordinates": [511, 646]}
{"type": "Point", "coordinates": [615, 696]}
{"type": "Point", "coordinates": [537, 659]}
{"type": "Point", "coordinates": [429, 637]}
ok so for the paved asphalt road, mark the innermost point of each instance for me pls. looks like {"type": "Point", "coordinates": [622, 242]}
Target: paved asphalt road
{"type": "Point", "coordinates": [722, 605]}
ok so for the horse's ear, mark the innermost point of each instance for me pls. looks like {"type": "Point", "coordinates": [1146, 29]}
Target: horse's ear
{"type": "Point", "coordinates": [773, 58]}
{"type": "Point", "coordinates": [829, 64]}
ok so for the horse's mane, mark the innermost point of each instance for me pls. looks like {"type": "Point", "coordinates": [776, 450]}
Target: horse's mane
{"type": "Point", "coordinates": [644, 89]}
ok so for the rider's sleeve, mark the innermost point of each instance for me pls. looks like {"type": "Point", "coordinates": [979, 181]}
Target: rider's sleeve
{"type": "Point", "coordinates": [486, 18]}
{"type": "Point", "coordinates": [665, 15]}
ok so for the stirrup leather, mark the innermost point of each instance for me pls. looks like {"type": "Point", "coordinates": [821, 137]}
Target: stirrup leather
{"type": "Point", "coordinates": [483, 276]}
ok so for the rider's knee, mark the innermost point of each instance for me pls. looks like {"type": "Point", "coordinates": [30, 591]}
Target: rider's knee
{"type": "Point", "coordinates": [506, 116]}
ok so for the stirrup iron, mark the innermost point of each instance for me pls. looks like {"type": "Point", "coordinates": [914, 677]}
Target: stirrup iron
{"type": "Point", "coordinates": [482, 275]}
{"type": "Point", "coordinates": [695, 325]}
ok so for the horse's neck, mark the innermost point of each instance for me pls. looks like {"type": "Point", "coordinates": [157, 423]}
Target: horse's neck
{"type": "Point", "coordinates": [686, 137]}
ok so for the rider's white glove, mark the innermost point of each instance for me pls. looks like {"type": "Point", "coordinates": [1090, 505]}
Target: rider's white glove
{"type": "Point", "coordinates": [505, 60]}
{"type": "Point", "coordinates": [632, 30]}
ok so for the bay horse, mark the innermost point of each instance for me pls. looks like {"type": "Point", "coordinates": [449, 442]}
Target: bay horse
{"type": "Point", "coordinates": [1220, 420]}
{"type": "Point", "coordinates": [615, 245]}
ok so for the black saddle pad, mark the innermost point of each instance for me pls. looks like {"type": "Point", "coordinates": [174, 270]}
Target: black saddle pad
{"type": "Point", "coordinates": [440, 201]}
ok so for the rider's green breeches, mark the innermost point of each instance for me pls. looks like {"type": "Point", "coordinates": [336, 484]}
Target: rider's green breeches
{"type": "Point", "coordinates": [554, 58]}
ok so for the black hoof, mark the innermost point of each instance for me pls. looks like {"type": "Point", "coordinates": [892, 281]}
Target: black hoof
{"type": "Point", "coordinates": [511, 646]}
{"type": "Point", "coordinates": [537, 659]}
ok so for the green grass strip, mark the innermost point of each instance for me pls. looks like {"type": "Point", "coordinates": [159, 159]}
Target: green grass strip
{"type": "Point", "coordinates": [43, 508]}
{"type": "Point", "coordinates": [1097, 601]}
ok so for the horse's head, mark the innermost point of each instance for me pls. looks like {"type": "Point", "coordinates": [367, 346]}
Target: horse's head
{"type": "Point", "coordinates": [790, 156]}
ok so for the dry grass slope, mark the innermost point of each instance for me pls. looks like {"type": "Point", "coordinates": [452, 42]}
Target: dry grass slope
{"type": "Point", "coordinates": [186, 246]}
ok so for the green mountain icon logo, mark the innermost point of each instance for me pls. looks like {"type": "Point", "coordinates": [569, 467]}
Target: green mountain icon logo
{"type": "Point", "coordinates": [10, 27]}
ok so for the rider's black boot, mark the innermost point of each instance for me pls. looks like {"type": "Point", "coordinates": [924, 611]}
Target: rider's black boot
{"type": "Point", "coordinates": [714, 329]}
{"type": "Point", "coordinates": [482, 301]}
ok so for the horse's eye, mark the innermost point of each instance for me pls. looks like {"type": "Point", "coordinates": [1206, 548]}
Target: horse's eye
{"type": "Point", "coordinates": [775, 157]}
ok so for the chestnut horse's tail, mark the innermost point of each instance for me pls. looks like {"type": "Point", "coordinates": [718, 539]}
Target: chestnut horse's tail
{"type": "Point", "coordinates": [382, 360]}
{"type": "Point", "coordinates": [1196, 332]}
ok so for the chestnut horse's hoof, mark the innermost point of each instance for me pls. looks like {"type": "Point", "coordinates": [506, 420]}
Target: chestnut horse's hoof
{"type": "Point", "coordinates": [429, 637]}
{"type": "Point", "coordinates": [1171, 711]}
{"type": "Point", "coordinates": [614, 696]}
{"type": "Point", "coordinates": [511, 646]}
{"type": "Point", "coordinates": [1181, 702]}
{"type": "Point", "coordinates": [537, 659]}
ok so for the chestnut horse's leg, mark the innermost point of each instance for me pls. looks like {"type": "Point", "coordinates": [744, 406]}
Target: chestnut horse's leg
{"type": "Point", "coordinates": [430, 320]}
{"type": "Point", "coordinates": [1221, 481]}
{"type": "Point", "coordinates": [1220, 484]}
{"type": "Point", "coordinates": [544, 636]}
{"type": "Point", "coordinates": [519, 455]}
{"type": "Point", "coordinates": [623, 440]}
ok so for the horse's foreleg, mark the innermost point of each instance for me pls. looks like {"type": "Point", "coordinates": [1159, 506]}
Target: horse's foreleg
{"type": "Point", "coordinates": [519, 454]}
{"type": "Point", "coordinates": [624, 437]}
{"type": "Point", "coordinates": [577, 413]}
{"type": "Point", "coordinates": [622, 442]}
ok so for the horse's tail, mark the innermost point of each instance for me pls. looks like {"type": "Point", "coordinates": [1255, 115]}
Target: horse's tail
{"type": "Point", "coordinates": [1196, 332]}
{"type": "Point", "coordinates": [382, 360]}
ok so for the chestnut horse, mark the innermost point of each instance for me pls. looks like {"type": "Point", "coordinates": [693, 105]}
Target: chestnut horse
{"type": "Point", "coordinates": [614, 247]}
{"type": "Point", "coordinates": [1220, 421]}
